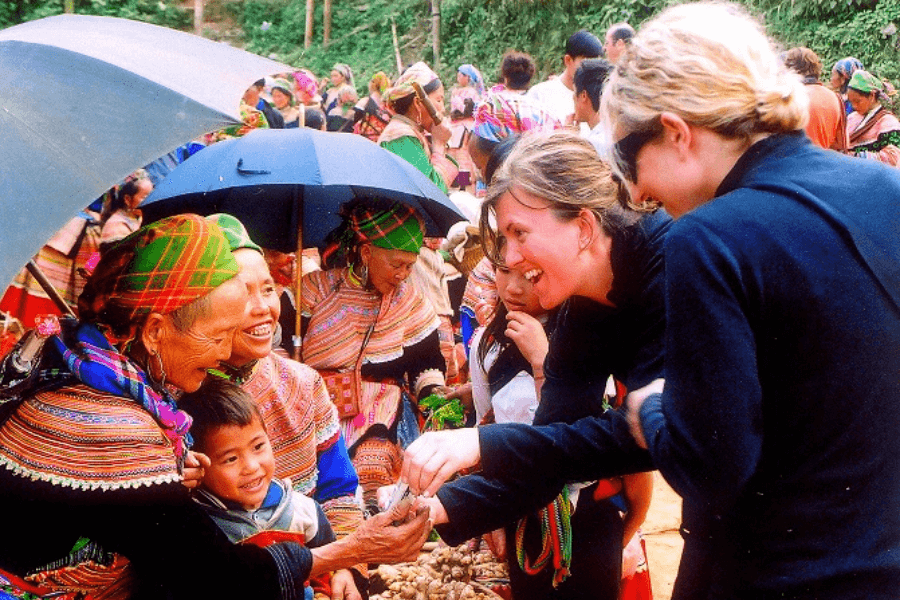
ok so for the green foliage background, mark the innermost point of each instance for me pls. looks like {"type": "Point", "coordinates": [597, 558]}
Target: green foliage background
{"type": "Point", "coordinates": [479, 31]}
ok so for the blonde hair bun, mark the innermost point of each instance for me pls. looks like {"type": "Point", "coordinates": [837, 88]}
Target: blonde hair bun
{"type": "Point", "coordinates": [713, 65]}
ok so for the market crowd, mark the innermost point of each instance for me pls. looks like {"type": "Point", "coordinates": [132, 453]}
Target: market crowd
{"type": "Point", "coordinates": [679, 253]}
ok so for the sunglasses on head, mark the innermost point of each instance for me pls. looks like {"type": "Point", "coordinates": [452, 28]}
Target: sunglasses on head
{"type": "Point", "coordinates": [626, 149]}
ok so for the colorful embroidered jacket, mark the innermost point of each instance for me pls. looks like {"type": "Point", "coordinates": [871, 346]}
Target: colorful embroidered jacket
{"type": "Point", "coordinates": [875, 136]}
{"type": "Point", "coordinates": [77, 464]}
{"type": "Point", "coordinates": [403, 346]}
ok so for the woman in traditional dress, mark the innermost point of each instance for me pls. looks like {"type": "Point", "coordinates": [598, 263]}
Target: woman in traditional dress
{"type": "Point", "coordinates": [873, 131]}
{"type": "Point", "coordinates": [782, 302]}
{"type": "Point", "coordinates": [298, 414]}
{"type": "Point", "coordinates": [283, 99]}
{"type": "Point", "coordinates": [122, 217]}
{"type": "Point", "coordinates": [407, 135]}
{"type": "Point", "coordinates": [340, 97]}
{"type": "Point", "coordinates": [365, 318]}
{"type": "Point", "coordinates": [841, 73]}
{"type": "Point", "coordinates": [371, 115]}
{"type": "Point", "coordinates": [94, 454]}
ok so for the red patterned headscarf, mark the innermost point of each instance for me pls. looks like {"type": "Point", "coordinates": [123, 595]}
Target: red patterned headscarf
{"type": "Point", "coordinates": [158, 268]}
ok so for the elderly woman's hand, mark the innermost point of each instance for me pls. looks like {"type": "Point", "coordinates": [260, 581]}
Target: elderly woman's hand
{"type": "Point", "coordinates": [380, 540]}
{"type": "Point", "coordinates": [195, 465]}
{"type": "Point", "coordinates": [436, 456]}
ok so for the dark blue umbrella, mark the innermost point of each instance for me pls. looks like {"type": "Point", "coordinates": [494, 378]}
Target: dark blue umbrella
{"type": "Point", "coordinates": [277, 180]}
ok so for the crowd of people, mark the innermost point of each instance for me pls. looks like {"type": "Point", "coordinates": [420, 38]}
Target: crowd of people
{"type": "Point", "coordinates": [679, 254]}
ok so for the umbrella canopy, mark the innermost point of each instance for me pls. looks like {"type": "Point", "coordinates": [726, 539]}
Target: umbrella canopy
{"type": "Point", "coordinates": [275, 180]}
{"type": "Point", "coordinates": [84, 101]}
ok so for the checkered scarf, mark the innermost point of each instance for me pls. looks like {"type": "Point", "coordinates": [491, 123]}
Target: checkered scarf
{"type": "Point", "coordinates": [419, 72]}
{"type": "Point", "coordinates": [159, 268]}
{"type": "Point", "coordinates": [94, 362]}
{"type": "Point", "coordinates": [393, 226]}
{"type": "Point", "coordinates": [501, 115]}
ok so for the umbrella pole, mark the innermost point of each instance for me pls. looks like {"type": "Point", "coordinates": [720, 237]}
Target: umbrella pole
{"type": "Point", "coordinates": [49, 289]}
{"type": "Point", "coordinates": [298, 289]}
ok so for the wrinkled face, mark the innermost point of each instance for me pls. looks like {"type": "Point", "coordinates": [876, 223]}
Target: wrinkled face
{"type": "Point", "coordinates": [517, 292]}
{"type": "Point", "coordinates": [242, 463]}
{"type": "Point", "coordinates": [861, 103]}
{"type": "Point", "coordinates": [387, 268]}
{"type": "Point", "coordinates": [145, 186]}
{"type": "Point", "coordinates": [253, 339]}
{"type": "Point", "coordinates": [545, 249]}
{"type": "Point", "coordinates": [187, 355]}
{"type": "Point", "coordinates": [336, 78]}
{"type": "Point", "coordinates": [280, 99]}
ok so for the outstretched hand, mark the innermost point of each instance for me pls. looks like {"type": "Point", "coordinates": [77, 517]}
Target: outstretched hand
{"type": "Point", "coordinates": [436, 456]}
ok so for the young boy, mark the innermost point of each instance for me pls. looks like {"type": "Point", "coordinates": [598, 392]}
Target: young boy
{"type": "Point", "coordinates": [238, 489]}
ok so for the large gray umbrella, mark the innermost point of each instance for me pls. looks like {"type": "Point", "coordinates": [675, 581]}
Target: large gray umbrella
{"type": "Point", "coordinates": [84, 101]}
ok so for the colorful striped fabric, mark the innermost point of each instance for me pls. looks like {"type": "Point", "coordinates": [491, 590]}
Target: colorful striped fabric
{"type": "Point", "coordinates": [80, 438]}
{"type": "Point", "coordinates": [501, 115]}
{"type": "Point", "coordinates": [341, 312]}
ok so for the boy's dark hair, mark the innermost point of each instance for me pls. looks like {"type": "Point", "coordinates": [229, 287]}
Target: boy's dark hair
{"type": "Point", "coordinates": [517, 68]}
{"type": "Point", "coordinates": [584, 43]}
{"type": "Point", "coordinates": [218, 403]}
{"type": "Point", "coordinates": [590, 77]}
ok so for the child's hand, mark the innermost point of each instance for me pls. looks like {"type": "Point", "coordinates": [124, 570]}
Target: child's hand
{"type": "Point", "coordinates": [194, 469]}
{"type": "Point", "coordinates": [529, 335]}
{"type": "Point", "coordinates": [343, 587]}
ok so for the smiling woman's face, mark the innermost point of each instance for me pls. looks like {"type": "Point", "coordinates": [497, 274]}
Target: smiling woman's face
{"type": "Point", "coordinates": [544, 248]}
{"type": "Point", "coordinates": [253, 339]}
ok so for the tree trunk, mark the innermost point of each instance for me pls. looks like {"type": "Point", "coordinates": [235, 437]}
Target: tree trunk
{"type": "Point", "coordinates": [436, 32]}
{"type": "Point", "coordinates": [396, 47]}
{"type": "Point", "coordinates": [198, 17]}
{"type": "Point", "coordinates": [326, 18]}
{"type": "Point", "coordinates": [68, 6]}
{"type": "Point", "coordinates": [310, 10]}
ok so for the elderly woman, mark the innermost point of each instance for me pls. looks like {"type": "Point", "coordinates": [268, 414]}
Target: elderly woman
{"type": "Point", "coordinates": [782, 301]}
{"type": "Point", "coordinates": [407, 134]}
{"type": "Point", "coordinates": [299, 417]}
{"type": "Point", "coordinates": [873, 131]}
{"type": "Point", "coordinates": [340, 97]}
{"type": "Point", "coordinates": [368, 324]}
{"type": "Point", "coordinates": [93, 455]}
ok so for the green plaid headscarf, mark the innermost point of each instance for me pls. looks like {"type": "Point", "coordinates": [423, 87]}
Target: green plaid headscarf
{"type": "Point", "coordinates": [234, 232]}
{"type": "Point", "coordinates": [865, 82]}
{"type": "Point", "coordinates": [159, 268]}
{"type": "Point", "coordinates": [391, 225]}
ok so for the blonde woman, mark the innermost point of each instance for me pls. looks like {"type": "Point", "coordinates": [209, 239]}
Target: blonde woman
{"type": "Point", "coordinates": [778, 423]}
